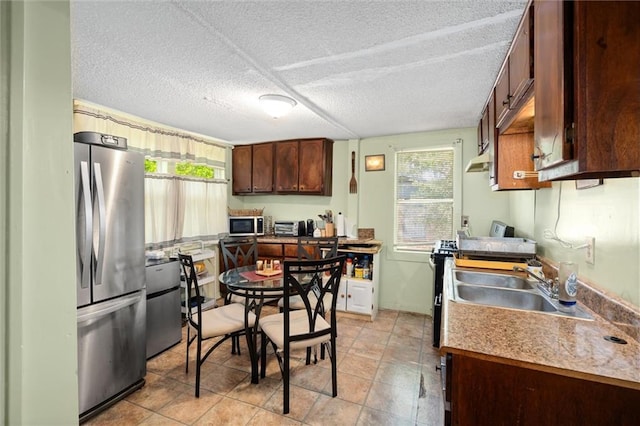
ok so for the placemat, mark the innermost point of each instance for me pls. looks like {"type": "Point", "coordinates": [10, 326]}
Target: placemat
{"type": "Point", "coordinates": [252, 276]}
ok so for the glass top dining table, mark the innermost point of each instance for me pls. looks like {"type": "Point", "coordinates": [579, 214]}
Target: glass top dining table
{"type": "Point", "coordinates": [245, 282]}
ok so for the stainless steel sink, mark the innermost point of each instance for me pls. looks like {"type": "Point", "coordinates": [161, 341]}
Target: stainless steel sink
{"type": "Point", "coordinates": [493, 280]}
{"type": "Point", "coordinates": [505, 298]}
{"type": "Point", "coordinates": [505, 291]}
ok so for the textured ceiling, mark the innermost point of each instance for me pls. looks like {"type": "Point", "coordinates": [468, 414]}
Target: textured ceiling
{"type": "Point", "coordinates": [356, 68]}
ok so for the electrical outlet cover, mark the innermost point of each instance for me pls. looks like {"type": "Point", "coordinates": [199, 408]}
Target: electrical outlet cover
{"type": "Point", "coordinates": [590, 253]}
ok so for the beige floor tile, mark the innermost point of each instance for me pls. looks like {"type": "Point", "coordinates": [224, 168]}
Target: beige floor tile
{"type": "Point", "coordinates": [382, 324]}
{"type": "Point", "coordinates": [369, 417]}
{"type": "Point", "coordinates": [405, 340]}
{"type": "Point", "coordinates": [350, 388]}
{"type": "Point", "coordinates": [186, 408]}
{"type": "Point", "coordinates": [373, 335]}
{"type": "Point", "coordinates": [312, 377]}
{"type": "Point", "coordinates": [122, 413]}
{"type": "Point", "coordinates": [398, 374]}
{"type": "Point", "coordinates": [267, 418]}
{"type": "Point", "coordinates": [165, 362]}
{"type": "Point", "coordinates": [387, 314]}
{"type": "Point", "coordinates": [397, 400]}
{"type": "Point", "coordinates": [401, 354]}
{"type": "Point", "coordinates": [159, 420]}
{"type": "Point", "coordinates": [255, 393]}
{"type": "Point", "coordinates": [368, 349]}
{"type": "Point", "coordinates": [228, 412]}
{"type": "Point", "coordinates": [221, 379]}
{"type": "Point", "coordinates": [153, 396]}
{"type": "Point", "coordinates": [358, 366]}
{"type": "Point", "coordinates": [430, 411]}
{"type": "Point", "coordinates": [333, 411]}
{"type": "Point", "coordinates": [300, 402]}
{"type": "Point", "coordinates": [346, 330]}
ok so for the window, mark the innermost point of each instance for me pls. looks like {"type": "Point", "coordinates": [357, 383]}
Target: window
{"type": "Point", "coordinates": [183, 201]}
{"type": "Point", "coordinates": [425, 198]}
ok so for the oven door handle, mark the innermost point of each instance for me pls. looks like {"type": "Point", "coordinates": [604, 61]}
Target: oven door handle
{"type": "Point", "coordinates": [438, 300]}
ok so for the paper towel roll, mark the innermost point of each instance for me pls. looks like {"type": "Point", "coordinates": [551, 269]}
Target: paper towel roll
{"type": "Point", "coordinates": [340, 229]}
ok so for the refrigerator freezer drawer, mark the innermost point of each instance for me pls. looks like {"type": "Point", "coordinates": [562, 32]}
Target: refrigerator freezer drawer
{"type": "Point", "coordinates": [164, 321]}
{"type": "Point", "coordinates": [111, 349]}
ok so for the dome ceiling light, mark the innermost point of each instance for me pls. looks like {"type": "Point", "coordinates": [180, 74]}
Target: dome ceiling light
{"type": "Point", "coordinates": [277, 105]}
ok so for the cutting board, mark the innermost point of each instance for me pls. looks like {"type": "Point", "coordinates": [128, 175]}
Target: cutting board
{"type": "Point", "coordinates": [505, 265]}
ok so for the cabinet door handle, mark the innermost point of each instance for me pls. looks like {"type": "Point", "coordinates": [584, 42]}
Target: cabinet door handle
{"type": "Point", "coordinates": [349, 296]}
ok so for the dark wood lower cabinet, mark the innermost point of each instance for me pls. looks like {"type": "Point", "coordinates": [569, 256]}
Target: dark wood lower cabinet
{"type": "Point", "coordinates": [483, 392]}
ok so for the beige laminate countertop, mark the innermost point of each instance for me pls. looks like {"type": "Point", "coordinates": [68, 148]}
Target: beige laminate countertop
{"type": "Point", "coordinates": [367, 244]}
{"type": "Point", "coordinates": [557, 344]}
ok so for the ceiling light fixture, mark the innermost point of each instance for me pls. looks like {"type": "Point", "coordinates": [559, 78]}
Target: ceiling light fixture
{"type": "Point", "coordinates": [277, 105]}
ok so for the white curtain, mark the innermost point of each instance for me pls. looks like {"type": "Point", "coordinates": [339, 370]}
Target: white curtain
{"type": "Point", "coordinates": [163, 197]}
{"type": "Point", "coordinates": [205, 209]}
{"type": "Point", "coordinates": [177, 208]}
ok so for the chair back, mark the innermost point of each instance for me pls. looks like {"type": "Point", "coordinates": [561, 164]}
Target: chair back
{"type": "Point", "coordinates": [317, 248]}
{"type": "Point", "coordinates": [239, 251]}
{"type": "Point", "coordinates": [304, 277]}
{"type": "Point", "coordinates": [193, 289]}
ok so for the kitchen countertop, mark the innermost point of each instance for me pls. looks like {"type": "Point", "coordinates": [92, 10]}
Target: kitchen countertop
{"type": "Point", "coordinates": [367, 244]}
{"type": "Point", "coordinates": [557, 344]}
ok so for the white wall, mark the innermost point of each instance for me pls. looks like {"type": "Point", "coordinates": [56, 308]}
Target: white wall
{"type": "Point", "coordinates": [611, 214]}
{"type": "Point", "coordinates": [41, 382]}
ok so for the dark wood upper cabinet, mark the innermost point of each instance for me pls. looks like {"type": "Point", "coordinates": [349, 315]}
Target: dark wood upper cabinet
{"type": "Point", "coordinates": [241, 169]}
{"type": "Point", "coordinates": [514, 82]}
{"type": "Point", "coordinates": [252, 169]}
{"type": "Point", "coordinates": [304, 166]}
{"type": "Point", "coordinates": [502, 93]}
{"type": "Point", "coordinates": [587, 122]}
{"type": "Point", "coordinates": [262, 173]}
{"type": "Point", "coordinates": [287, 166]}
{"type": "Point", "coordinates": [301, 167]}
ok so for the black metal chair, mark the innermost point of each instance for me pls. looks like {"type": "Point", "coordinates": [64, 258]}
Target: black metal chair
{"type": "Point", "coordinates": [310, 248]}
{"type": "Point", "coordinates": [304, 328]}
{"type": "Point", "coordinates": [224, 322]}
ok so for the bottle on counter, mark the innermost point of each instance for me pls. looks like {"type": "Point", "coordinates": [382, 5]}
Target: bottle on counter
{"type": "Point", "coordinates": [365, 268]}
{"type": "Point", "coordinates": [349, 264]}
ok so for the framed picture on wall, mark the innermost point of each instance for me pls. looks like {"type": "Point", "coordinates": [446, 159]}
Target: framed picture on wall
{"type": "Point", "coordinates": [374, 163]}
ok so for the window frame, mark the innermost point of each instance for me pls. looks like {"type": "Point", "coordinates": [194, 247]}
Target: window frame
{"type": "Point", "coordinates": [402, 252]}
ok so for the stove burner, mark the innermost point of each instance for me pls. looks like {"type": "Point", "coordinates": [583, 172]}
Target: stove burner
{"type": "Point", "coordinates": [445, 247]}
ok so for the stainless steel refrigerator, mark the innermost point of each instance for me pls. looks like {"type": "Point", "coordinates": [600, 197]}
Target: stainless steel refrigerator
{"type": "Point", "coordinates": [109, 190]}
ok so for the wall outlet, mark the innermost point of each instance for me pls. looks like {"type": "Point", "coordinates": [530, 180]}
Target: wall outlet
{"type": "Point", "coordinates": [590, 254]}
{"type": "Point", "coordinates": [465, 221]}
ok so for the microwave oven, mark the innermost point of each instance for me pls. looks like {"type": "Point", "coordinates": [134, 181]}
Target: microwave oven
{"type": "Point", "coordinates": [246, 225]}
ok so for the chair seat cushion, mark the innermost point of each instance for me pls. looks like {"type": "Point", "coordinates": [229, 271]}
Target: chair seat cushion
{"type": "Point", "coordinates": [273, 327]}
{"type": "Point", "coordinates": [224, 320]}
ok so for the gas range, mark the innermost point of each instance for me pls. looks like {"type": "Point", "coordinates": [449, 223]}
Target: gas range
{"type": "Point", "coordinates": [444, 247]}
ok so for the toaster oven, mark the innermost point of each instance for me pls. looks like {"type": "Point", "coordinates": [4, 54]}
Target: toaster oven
{"type": "Point", "coordinates": [286, 228]}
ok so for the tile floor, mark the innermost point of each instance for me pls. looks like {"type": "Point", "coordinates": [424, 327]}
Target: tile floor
{"type": "Point", "coordinates": [386, 376]}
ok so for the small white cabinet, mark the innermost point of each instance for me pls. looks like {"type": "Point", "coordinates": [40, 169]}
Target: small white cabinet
{"type": "Point", "coordinates": [207, 280]}
{"type": "Point", "coordinates": [360, 295]}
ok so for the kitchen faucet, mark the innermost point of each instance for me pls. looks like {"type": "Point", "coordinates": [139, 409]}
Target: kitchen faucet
{"type": "Point", "coordinates": [546, 286]}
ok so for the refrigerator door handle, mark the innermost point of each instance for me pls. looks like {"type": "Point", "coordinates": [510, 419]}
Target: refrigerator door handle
{"type": "Point", "coordinates": [88, 314]}
{"type": "Point", "coordinates": [102, 225]}
{"type": "Point", "coordinates": [85, 250]}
